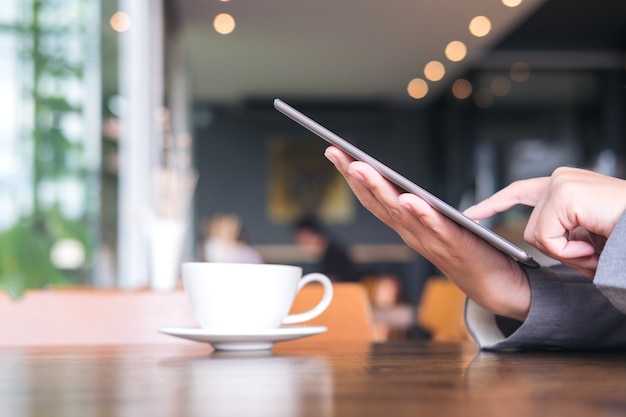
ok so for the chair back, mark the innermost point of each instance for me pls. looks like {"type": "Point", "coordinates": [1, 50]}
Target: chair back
{"type": "Point", "coordinates": [441, 310]}
{"type": "Point", "coordinates": [349, 317]}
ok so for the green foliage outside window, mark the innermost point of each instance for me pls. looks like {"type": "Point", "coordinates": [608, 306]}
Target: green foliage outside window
{"type": "Point", "coordinates": [55, 51]}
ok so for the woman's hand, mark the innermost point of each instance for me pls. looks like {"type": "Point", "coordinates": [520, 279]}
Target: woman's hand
{"type": "Point", "coordinates": [575, 212]}
{"type": "Point", "coordinates": [486, 275]}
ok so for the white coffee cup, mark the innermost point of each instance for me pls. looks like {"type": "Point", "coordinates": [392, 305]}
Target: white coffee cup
{"type": "Point", "coordinates": [240, 297]}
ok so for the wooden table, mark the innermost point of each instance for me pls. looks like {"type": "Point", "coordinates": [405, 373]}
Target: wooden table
{"type": "Point", "coordinates": [391, 379]}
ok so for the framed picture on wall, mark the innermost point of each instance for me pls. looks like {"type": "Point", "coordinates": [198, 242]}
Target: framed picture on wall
{"type": "Point", "coordinates": [301, 181]}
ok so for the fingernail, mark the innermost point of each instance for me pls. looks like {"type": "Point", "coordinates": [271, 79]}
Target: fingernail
{"type": "Point", "coordinates": [330, 157]}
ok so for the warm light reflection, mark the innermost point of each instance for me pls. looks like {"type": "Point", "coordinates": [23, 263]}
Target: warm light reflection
{"type": "Point", "coordinates": [511, 3]}
{"type": "Point", "coordinates": [224, 23]}
{"type": "Point", "coordinates": [417, 88]}
{"type": "Point", "coordinates": [462, 89]}
{"type": "Point", "coordinates": [456, 51]}
{"type": "Point", "coordinates": [120, 22]}
{"type": "Point", "coordinates": [434, 71]}
{"type": "Point", "coordinates": [480, 26]}
{"type": "Point", "coordinates": [483, 98]}
{"type": "Point", "coordinates": [501, 86]}
{"type": "Point", "coordinates": [520, 71]}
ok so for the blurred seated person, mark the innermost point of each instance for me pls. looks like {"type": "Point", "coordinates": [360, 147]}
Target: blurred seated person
{"type": "Point", "coordinates": [224, 241]}
{"type": "Point", "coordinates": [332, 258]}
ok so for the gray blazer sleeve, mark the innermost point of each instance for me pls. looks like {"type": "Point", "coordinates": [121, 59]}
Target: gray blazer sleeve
{"type": "Point", "coordinates": [568, 310]}
{"type": "Point", "coordinates": [611, 273]}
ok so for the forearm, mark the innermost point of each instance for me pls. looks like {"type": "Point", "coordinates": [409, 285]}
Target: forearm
{"type": "Point", "coordinates": [567, 311]}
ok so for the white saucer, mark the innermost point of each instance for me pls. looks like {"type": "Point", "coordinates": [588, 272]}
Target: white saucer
{"type": "Point", "coordinates": [253, 340]}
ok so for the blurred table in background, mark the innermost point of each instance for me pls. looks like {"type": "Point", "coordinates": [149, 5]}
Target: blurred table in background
{"type": "Point", "coordinates": [362, 254]}
{"type": "Point", "coordinates": [312, 379]}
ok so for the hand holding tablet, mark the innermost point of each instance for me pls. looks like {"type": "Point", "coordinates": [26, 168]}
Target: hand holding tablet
{"type": "Point", "coordinates": [495, 240]}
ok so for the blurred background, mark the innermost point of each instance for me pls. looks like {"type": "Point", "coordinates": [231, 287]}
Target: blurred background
{"type": "Point", "coordinates": [125, 126]}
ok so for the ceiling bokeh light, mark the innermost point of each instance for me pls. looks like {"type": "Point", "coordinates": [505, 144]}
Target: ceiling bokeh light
{"type": "Point", "coordinates": [224, 23]}
{"type": "Point", "coordinates": [511, 3]}
{"type": "Point", "coordinates": [501, 86]}
{"type": "Point", "coordinates": [519, 72]}
{"type": "Point", "coordinates": [462, 89]}
{"type": "Point", "coordinates": [434, 71]}
{"type": "Point", "coordinates": [456, 51]}
{"type": "Point", "coordinates": [480, 26]}
{"type": "Point", "coordinates": [483, 98]}
{"type": "Point", "coordinates": [417, 88]}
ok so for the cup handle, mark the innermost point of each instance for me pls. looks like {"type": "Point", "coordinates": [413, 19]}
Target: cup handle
{"type": "Point", "coordinates": [321, 306]}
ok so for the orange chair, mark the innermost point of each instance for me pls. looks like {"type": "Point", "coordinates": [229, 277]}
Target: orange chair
{"type": "Point", "coordinates": [441, 310]}
{"type": "Point", "coordinates": [348, 318]}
